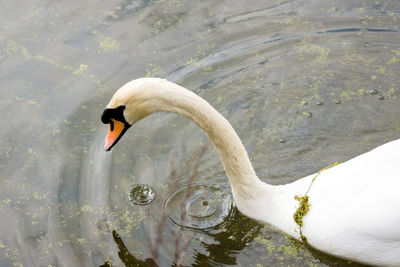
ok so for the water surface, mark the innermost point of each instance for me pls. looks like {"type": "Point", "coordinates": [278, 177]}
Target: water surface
{"type": "Point", "coordinates": [304, 83]}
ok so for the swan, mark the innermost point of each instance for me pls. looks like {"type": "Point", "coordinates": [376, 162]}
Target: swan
{"type": "Point", "coordinates": [353, 208]}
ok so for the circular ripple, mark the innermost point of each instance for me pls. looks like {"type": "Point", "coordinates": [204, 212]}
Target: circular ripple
{"type": "Point", "coordinates": [142, 194]}
{"type": "Point", "coordinates": [198, 206]}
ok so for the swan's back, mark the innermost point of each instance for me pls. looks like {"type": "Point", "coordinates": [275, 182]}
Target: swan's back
{"type": "Point", "coordinates": [355, 207]}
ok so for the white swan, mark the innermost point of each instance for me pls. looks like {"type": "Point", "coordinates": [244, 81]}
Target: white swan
{"type": "Point", "coordinates": [354, 207]}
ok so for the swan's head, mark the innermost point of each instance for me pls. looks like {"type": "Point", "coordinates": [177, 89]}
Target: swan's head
{"type": "Point", "coordinates": [131, 103]}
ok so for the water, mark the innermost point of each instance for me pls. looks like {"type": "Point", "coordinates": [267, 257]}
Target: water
{"type": "Point", "coordinates": [142, 194]}
{"type": "Point", "coordinates": [198, 206]}
{"type": "Point", "coordinates": [262, 64]}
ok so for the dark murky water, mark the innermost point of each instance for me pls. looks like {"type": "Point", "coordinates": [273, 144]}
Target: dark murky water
{"type": "Point", "coordinates": [304, 83]}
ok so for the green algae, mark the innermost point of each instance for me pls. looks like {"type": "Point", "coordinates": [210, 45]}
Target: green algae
{"type": "Point", "coordinates": [347, 95]}
{"type": "Point", "coordinates": [81, 69]}
{"type": "Point", "coordinates": [154, 70]}
{"type": "Point", "coordinates": [107, 44]}
{"type": "Point", "coordinates": [302, 210]}
{"type": "Point", "coordinates": [286, 252]}
{"type": "Point", "coordinates": [13, 48]}
{"type": "Point", "coordinates": [306, 84]}
{"type": "Point", "coordinates": [304, 206]}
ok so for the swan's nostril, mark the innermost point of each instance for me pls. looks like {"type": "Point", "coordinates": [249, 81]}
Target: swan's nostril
{"type": "Point", "coordinates": [106, 116]}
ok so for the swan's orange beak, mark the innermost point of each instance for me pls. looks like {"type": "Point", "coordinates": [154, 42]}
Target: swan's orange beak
{"type": "Point", "coordinates": [115, 132]}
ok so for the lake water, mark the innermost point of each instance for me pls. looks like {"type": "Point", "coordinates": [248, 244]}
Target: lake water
{"type": "Point", "coordinates": [304, 83]}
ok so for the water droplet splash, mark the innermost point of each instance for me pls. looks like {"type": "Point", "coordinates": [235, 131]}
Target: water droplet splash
{"type": "Point", "coordinates": [198, 206]}
{"type": "Point", "coordinates": [142, 194]}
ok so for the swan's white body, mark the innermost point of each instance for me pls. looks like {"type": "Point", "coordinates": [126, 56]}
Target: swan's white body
{"type": "Point", "coordinates": [354, 207]}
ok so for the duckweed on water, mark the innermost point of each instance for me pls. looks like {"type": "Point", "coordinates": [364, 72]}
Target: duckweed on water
{"type": "Point", "coordinates": [81, 69]}
{"type": "Point", "coordinates": [106, 44]}
{"type": "Point", "coordinates": [286, 252]}
{"type": "Point", "coordinates": [219, 62]}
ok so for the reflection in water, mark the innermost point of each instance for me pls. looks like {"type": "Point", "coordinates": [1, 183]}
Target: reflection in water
{"type": "Point", "coordinates": [193, 208]}
{"type": "Point", "coordinates": [126, 257]}
{"type": "Point", "coordinates": [231, 236]}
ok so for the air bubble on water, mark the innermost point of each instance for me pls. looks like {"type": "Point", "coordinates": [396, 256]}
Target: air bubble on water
{"type": "Point", "coordinates": [142, 194]}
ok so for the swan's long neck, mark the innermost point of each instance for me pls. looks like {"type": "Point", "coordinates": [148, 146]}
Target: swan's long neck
{"type": "Point", "coordinates": [254, 198]}
{"type": "Point", "coordinates": [230, 149]}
